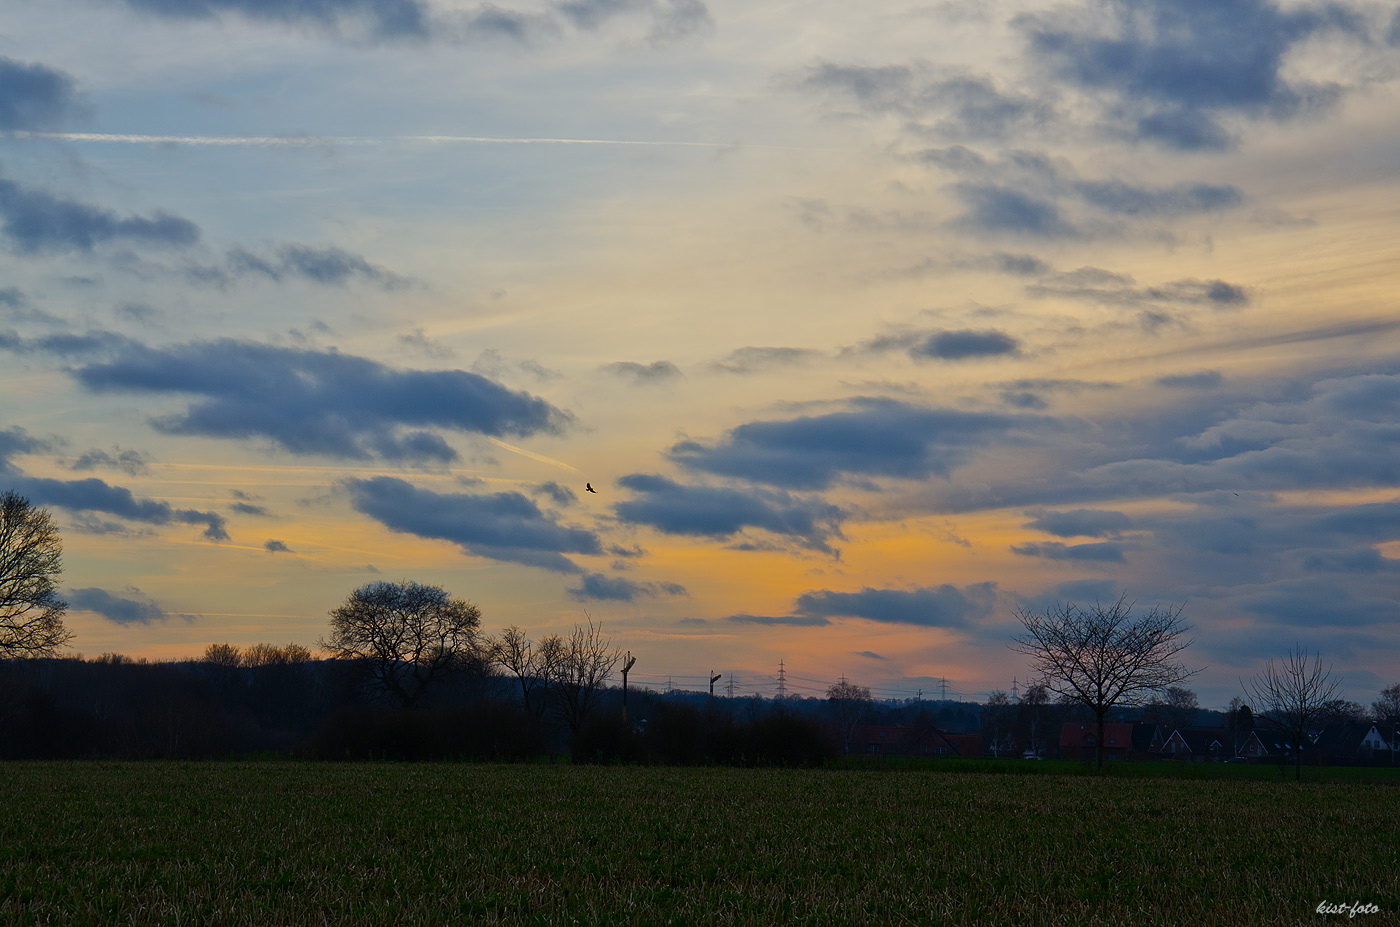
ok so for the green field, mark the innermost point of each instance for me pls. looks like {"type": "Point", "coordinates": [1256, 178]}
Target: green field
{"type": "Point", "coordinates": [302, 843]}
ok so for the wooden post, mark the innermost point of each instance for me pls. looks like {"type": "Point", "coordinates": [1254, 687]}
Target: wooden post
{"type": "Point", "coordinates": [626, 668]}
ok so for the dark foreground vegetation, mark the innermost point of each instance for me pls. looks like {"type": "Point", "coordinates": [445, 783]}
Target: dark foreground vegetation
{"type": "Point", "coordinates": [387, 843]}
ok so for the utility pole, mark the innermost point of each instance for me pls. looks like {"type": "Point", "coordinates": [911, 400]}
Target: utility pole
{"type": "Point", "coordinates": [714, 678]}
{"type": "Point", "coordinates": [1015, 690]}
{"type": "Point", "coordinates": [626, 668]}
{"type": "Point", "coordinates": [943, 688]}
{"type": "Point", "coordinates": [730, 685]}
{"type": "Point", "coordinates": [782, 680]}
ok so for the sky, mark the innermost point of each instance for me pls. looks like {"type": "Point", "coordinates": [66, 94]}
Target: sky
{"type": "Point", "coordinates": [872, 325]}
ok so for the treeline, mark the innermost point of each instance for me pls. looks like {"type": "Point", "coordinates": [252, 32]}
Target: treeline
{"type": "Point", "coordinates": [269, 700]}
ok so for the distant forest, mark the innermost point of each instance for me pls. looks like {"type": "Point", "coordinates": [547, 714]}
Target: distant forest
{"type": "Point", "coordinates": [272, 701]}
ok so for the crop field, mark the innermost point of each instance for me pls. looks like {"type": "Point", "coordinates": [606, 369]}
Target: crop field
{"type": "Point", "coordinates": [380, 843]}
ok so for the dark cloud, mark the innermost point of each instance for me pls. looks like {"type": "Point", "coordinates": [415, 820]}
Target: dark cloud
{"type": "Point", "coordinates": [561, 495]}
{"type": "Point", "coordinates": [1175, 67]}
{"type": "Point", "coordinates": [752, 360]}
{"type": "Point", "coordinates": [597, 587]}
{"type": "Point", "coordinates": [655, 372]}
{"type": "Point", "coordinates": [707, 511]}
{"type": "Point", "coordinates": [93, 495]}
{"type": "Point", "coordinates": [871, 655]}
{"type": "Point", "coordinates": [1206, 379]}
{"type": "Point", "coordinates": [948, 103]}
{"type": "Point", "coordinates": [419, 340]}
{"type": "Point", "coordinates": [133, 463]}
{"type": "Point", "coordinates": [966, 345]}
{"type": "Point", "coordinates": [875, 438]}
{"type": "Point", "coordinates": [1086, 523]}
{"type": "Point", "coordinates": [419, 21]}
{"type": "Point", "coordinates": [944, 606]}
{"type": "Point", "coordinates": [384, 19]}
{"type": "Point", "coordinates": [800, 621]}
{"type": "Point", "coordinates": [1102, 552]}
{"type": "Point", "coordinates": [36, 222]}
{"type": "Point", "coordinates": [319, 402]}
{"type": "Point", "coordinates": [274, 546]}
{"type": "Point", "coordinates": [123, 610]}
{"type": "Point", "coordinates": [501, 526]}
{"type": "Point", "coordinates": [34, 97]}
{"type": "Point", "coordinates": [249, 508]}
{"type": "Point", "coordinates": [328, 266]}
{"type": "Point", "coordinates": [1029, 194]}
{"type": "Point", "coordinates": [992, 208]}
{"type": "Point", "coordinates": [1095, 285]}
{"type": "Point", "coordinates": [1313, 602]}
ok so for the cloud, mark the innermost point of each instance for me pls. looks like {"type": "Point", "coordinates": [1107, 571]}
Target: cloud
{"type": "Point", "coordinates": [1174, 69]}
{"type": "Point", "coordinates": [655, 372]}
{"type": "Point", "coordinates": [1312, 602]}
{"type": "Point", "coordinates": [1095, 285]}
{"type": "Point", "coordinates": [875, 438]}
{"type": "Point", "coordinates": [597, 587]}
{"type": "Point", "coordinates": [1088, 523]}
{"type": "Point", "coordinates": [1029, 194]}
{"type": "Point", "coordinates": [501, 526]}
{"type": "Point", "coordinates": [707, 511]}
{"type": "Point", "coordinates": [752, 360]}
{"type": "Point", "coordinates": [561, 495]}
{"type": "Point", "coordinates": [419, 21]}
{"type": "Point", "coordinates": [94, 495]}
{"type": "Point", "coordinates": [1103, 552]}
{"type": "Point", "coordinates": [328, 266]}
{"type": "Point", "coordinates": [274, 546]}
{"type": "Point", "coordinates": [118, 609]}
{"type": "Point", "coordinates": [953, 103]}
{"type": "Point", "coordinates": [248, 508]}
{"type": "Point", "coordinates": [320, 402]}
{"type": "Point", "coordinates": [1205, 379]}
{"type": "Point", "coordinates": [944, 606]}
{"type": "Point", "coordinates": [799, 621]}
{"type": "Point", "coordinates": [132, 463]}
{"type": "Point", "coordinates": [36, 222]}
{"type": "Point", "coordinates": [34, 97]}
{"type": "Point", "coordinates": [966, 345]}
{"type": "Point", "coordinates": [993, 208]}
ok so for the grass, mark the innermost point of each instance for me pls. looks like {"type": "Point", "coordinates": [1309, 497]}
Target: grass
{"type": "Point", "coordinates": [302, 843]}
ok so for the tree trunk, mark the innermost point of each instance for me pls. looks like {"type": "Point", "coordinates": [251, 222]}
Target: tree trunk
{"type": "Point", "coordinates": [1098, 747]}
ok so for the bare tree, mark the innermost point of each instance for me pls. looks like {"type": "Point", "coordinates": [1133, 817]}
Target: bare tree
{"type": "Point", "coordinates": [533, 665]}
{"type": "Point", "coordinates": [1292, 696]}
{"type": "Point", "coordinates": [405, 635]}
{"type": "Point", "coordinates": [584, 665]}
{"type": "Point", "coordinates": [848, 703]}
{"type": "Point", "coordinates": [31, 561]}
{"type": "Point", "coordinates": [997, 718]}
{"type": "Point", "coordinates": [1103, 656]}
{"type": "Point", "coordinates": [222, 655]}
{"type": "Point", "coordinates": [1386, 709]}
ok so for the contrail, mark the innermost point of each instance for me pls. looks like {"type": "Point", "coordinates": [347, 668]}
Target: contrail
{"type": "Point", "coordinates": [310, 141]}
{"type": "Point", "coordinates": [531, 454]}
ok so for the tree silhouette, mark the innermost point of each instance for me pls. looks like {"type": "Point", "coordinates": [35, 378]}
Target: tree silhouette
{"type": "Point", "coordinates": [404, 635]}
{"type": "Point", "coordinates": [1292, 696]}
{"type": "Point", "coordinates": [31, 560]}
{"type": "Point", "coordinates": [1102, 656]}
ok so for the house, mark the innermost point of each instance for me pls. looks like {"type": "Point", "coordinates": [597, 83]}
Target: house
{"type": "Point", "coordinates": [1265, 744]}
{"type": "Point", "coordinates": [1197, 745]}
{"type": "Point", "coordinates": [1121, 740]}
{"type": "Point", "coordinates": [897, 740]}
{"type": "Point", "coordinates": [1356, 742]}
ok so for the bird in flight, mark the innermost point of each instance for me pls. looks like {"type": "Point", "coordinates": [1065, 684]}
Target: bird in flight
{"type": "Point", "coordinates": [589, 487]}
